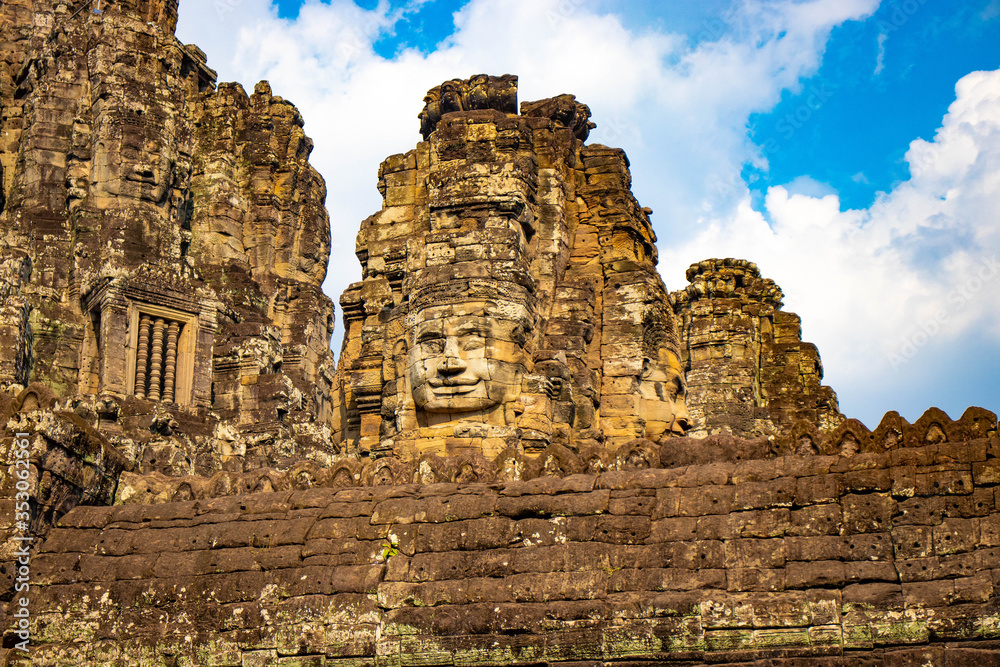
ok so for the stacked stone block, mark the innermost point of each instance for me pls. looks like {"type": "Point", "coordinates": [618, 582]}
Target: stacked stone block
{"type": "Point", "coordinates": [15, 334]}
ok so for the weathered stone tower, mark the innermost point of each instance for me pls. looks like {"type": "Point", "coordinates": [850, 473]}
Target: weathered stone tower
{"type": "Point", "coordinates": [509, 228]}
{"type": "Point", "coordinates": [168, 239]}
{"type": "Point", "coordinates": [748, 371]}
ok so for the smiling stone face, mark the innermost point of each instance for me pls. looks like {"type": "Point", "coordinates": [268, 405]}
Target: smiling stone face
{"type": "Point", "coordinates": [662, 397]}
{"type": "Point", "coordinates": [461, 360]}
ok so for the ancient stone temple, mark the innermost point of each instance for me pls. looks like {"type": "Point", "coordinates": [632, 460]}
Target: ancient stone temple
{"type": "Point", "coordinates": [529, 451]}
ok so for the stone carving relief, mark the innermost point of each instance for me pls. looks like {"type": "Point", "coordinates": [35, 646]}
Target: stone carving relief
{"type": "Point", "coordinates": [478, 92]}
{"type": "Point", "coordinates": [662, 397]}
{"type": "Point", "coordinates": [465, 358]}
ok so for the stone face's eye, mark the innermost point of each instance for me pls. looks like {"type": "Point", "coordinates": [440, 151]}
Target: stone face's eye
{"type": "Point", "coordinates": [661, 391]}
{"type": "Point", "coordinates": [676, 389]}
{"type": "Point", "coordinates": [470, 337]}
{"type": "Point", "coordinates": [473, 342]}
{"type": "Point", "coordinates": [431, 343]}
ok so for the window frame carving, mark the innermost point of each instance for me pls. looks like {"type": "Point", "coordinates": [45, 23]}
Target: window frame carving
{"type": "Point", "coordinates": [185, 353]}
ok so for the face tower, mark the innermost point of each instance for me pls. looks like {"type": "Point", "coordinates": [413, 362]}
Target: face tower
{"type": "Point", "coordinates": [509, 296]}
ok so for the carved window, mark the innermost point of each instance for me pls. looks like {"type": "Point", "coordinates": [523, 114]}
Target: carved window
{"type": "Point", "coordinates": [161, 354]}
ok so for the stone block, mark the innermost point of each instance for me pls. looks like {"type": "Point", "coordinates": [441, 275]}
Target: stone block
{"type": "Point", "coordinates": [816, 520]}
{"type": "Point", "coordinates": [882, 597]}
{"type": "Point", "coordinates": [755, 553]}
{"type": "Point", "coordinates": [867, 513]}
{"type": "Point", "coordinates": [818, 574]}
{"type": "Point", "coordinates": [622, 529]}
{"type": "Point", "coordinates": [546, 506]}
{"type": "Point", "coordinates": [913, 541]}
{"type": "Point", "coordinates": [818, 489]}
{"type": "Point", "coordinates": [945, 482]}
{"type": "Point", "coordinates": [761, 523]}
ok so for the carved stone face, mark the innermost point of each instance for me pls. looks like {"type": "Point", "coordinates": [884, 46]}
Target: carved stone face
{"type": "Point", "coordinates": [661, 392]}
{"type": "Point", "coordinates": [461, 361]}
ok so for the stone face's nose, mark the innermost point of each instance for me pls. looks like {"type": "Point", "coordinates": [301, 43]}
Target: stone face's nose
{"type": "Point", "coordinates": [452, 364]}
{"type": "Point", "coordinates": [682, 420]}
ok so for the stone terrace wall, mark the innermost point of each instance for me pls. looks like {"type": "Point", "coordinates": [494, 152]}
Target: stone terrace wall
{"type": "Point", "coordinates": [888, 557]}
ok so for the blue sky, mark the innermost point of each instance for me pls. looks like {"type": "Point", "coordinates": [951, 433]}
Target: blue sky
{"type": "Point", "coordinates": [850, 115]}
{"type": "Point", "coordinates": [856, 138]}
{"type": "Point", "coordinates": [850, 147]}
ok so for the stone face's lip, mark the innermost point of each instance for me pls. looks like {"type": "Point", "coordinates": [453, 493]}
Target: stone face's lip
{"type": "Point", "coordinates": [456, 383]}
{"type": "Point", "coordinates": [454, 389]}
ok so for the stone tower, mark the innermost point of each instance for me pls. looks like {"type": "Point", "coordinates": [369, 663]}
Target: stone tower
{"type": "Point", "coordinates": [748, 371]}
{"type": "Point", "coordinates": [510, 298]}
{"type": "Point", "coordinates": [165, 239]}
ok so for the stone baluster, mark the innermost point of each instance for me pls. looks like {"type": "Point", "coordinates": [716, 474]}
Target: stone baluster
{"type": "Point", "coordinates": [170, 370]}
{"type": "Point", "coordinates": [156, 363]}
{"type": "Point", "coordinates": [142, 357]}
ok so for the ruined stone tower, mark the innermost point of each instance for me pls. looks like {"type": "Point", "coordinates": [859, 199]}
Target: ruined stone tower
{"type": "Point", "coordinates": [169, 241]}
{"type": "Point", "coordinates": [748, 371]}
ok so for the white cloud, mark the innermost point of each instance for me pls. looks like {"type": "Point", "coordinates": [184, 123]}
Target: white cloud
{"type": "Point", "coordinates": [860, 279]}
{"type": "Point", "coordinates": [991, 11]}
{"type": "Point", "coordinates": [214, 25]}
{"type": "Point", "coordinates": [880, 58]}
{"type": "Point", "coordinates": [679, 111]}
